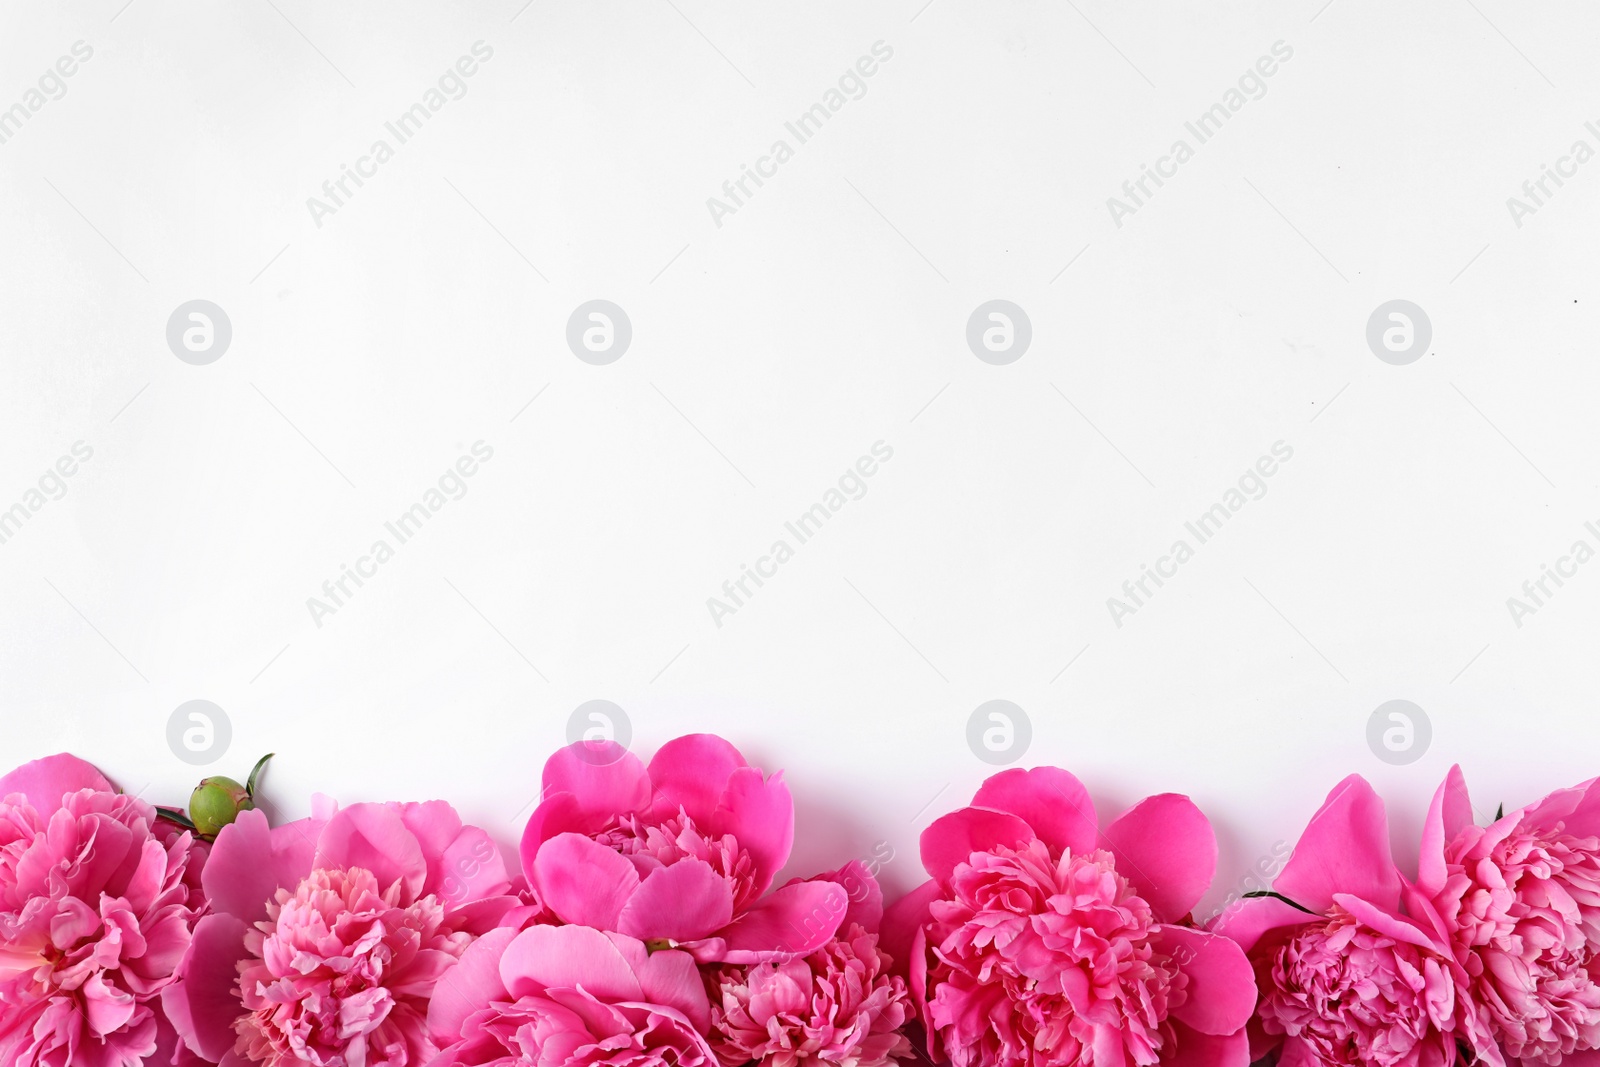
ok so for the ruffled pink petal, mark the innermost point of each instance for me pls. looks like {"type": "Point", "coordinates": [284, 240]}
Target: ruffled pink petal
{"type": "Point", "coordinates": [1448, 814]}
{"type": "Point", "coordinates": [1245, 922]}
{"type": "Point", "coordinates": [473, 982]}
{"type": "Point", "coordinates": [1191, 1048]}
{"type": "Point", "coordinates": [375, 837]}
{"type": "Point", "coordinates": [1048, 799]}
{"type": "Point", "coordinates": [202, 1002]}
{"type": "Point", "coordinates": [1390, 923]}
{"type": "Point", "coordinates": [903, 920]}
{"type": "Point", "coordinates": [582, 881]}
{"type": "Point", "coordinates": [563, 957]}
{"type": "Point", "coordinates": [952, 839]}
{"type": "Point", "coordinates": [759, 813]}
{"type": "Point", "coordinates": [866, 895]}
{"type": "Point", "coordinates": [558, 813]}
{"type": "Point", "coordinates": [1222, 985]}
{"type": "Point", "coordinates": [1166, 849]}
{"type": "Point", "coordinates": [251, 861]}
{"type": "Point", "coordinates": [604, 778]}
{"type": "Point", "coordinates": [671, 978]}
{"type": "Point", "coordinates": [470, 868]}
{"type": "Point", "coordinates": [1345, 849]}
{"type": "Point", "coordinates": [692, 772]}
{"type": "Point", "coordinates": [792, 921]}
{"type": "Point", "coordinates": [683, 902]}
{"type": "Point", "coordinates": [45, 781]}
{"type": "Point", "coordinates": [1577, 810]}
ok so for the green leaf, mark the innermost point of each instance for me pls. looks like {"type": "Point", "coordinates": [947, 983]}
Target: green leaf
{"type": "Point", "coordinates": [175, 815]}
{"type": "Point", "coordinates": [1279, 896]}
{"type": "Point", "coordinates": [255, 772]}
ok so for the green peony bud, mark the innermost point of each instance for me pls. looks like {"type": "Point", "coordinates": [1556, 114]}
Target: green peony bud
{"type": "Point", "coordinates": [218, 800]}
{"type": "Point", "coordinates": [215, 803]}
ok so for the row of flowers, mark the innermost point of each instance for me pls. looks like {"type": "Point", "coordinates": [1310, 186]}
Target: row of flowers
{"type": "Point", "coordinates": [644, 930]}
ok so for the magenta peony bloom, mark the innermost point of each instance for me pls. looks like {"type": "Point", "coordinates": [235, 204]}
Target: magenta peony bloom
{"type": "Point", "coordinates": [838, 1006]}
{"type": "Point", "coordinates": [570, 996]}
{"type": "Point", "coordinates": [680, 855]}
{"type": "Point", "coordinates": [98, 899]}
{"type": "Point", "coordinates": [1346, 979]}
{"type": "Point", "coordinates": [1042, 942]}
{"type": "Point", "coordinates": [329, 935]}
{"type": "Point", "coordinates": [1521, 899]}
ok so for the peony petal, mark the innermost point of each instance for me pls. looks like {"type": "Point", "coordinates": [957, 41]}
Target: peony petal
{"type": "Point", "coordinates": [793, 921]}
{"type": "Point", "coordinates": [1191, 1048]}
{"type": "Point", "coordinates": [1247, 921]}
{"type": "Point", "coordinates": [249, 862]}
{"type": "Point", "coordinates": [1576, 809]}
{"type": "Point", "coordinates": [683, 902]}
{"type": "Point", "coordinates": [604, 778]}
{"type": "Point", "coordinates": [45, 781]}
{"type": "Point", "coordinates": [558, 813]}
{"type": "Point", "coordinates": [903, 920]}
{"type": "Point", "coordinates": [471, 869]}
{"type": "Point", "coordinates": [670, 978]}
{"type": "Point", "coordinates": [1390, 924]}
{"type": "Point", "coordinates": [692, 772]}
{"type": "Point", "coordinates": [468, 986]}
{"type": "Point", "coordinates": [1222, 985]}
{"type": "Point", "coordinates": [759, 813]}
{"type": "Point", "coordinates": [866, 896]}
{"type": "Point", "coordinates": [582, 881]}
{"type": "Point", "coordinates": [435, 825]}
{"type": "Point", "coordinates": [565, 957]}
{"type": "Point", "coordinates": [1345, 849]}
{"type": "Point", "coordinates": [202, 1002]}
{"type": "Point", "coordinates": [1448, 814]}
{"type": "Point", "coordinates": [1166, 849]}
{"type": "Point", "coordinates": [375, 837]}
{"type": "Point", "coordinates": [952, 839]}
{"type": "Point", "coordinates": [1050, 800]}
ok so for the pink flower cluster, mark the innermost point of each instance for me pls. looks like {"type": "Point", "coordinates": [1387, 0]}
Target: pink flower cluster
{"type": "Point", "coordinates": [647, 928]}
{"type": "Point", "coordinates": [1491, 955]}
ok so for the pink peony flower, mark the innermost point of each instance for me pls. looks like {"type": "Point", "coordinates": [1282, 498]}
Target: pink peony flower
{"type": "Point", "coordinates": [1042, 942]}
{"type": "Point", "coordinates": [680, 855]}
{"type": "Point", "coordinates": [837, 1006]}
{"type": "Point", "coordinates": [570, 996]}
{"type": "Point", "coordinates": [98, 899]}
{"type": "Point", "coordinates": [1345, 977]}
{"type": "Point", "coordinates": [328, 935]}
{"type": "Point", "coordinates": [1521, 899]}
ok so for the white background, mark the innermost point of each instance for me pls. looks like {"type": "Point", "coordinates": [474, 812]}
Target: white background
{"type": "Point", "coordinates": [769, 353]}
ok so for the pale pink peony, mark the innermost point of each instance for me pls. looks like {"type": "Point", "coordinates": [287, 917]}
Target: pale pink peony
{"type": "Point", "coordinates": [838, 1006]}
{"type": "Point", "coordinates": [1351, 994]}
{"type": "Point", "coordinates": [1521, 898]}
{"type": "Point", "coordinates": [570, 996]}
{"type": "Point", "coordinates": [1043, 941]}
{"type": "Point", "coordinates": [341, 972]}
{"type": "Point", "coordinates": [98, 900]}
{"type": "Point", "coordinates": [681, 853]}
{"type": "Point", "coordinates": [329, 935]}
{"type": "Point", "coordinates": [1347, 978]}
